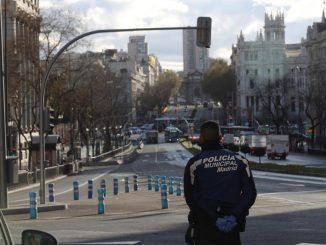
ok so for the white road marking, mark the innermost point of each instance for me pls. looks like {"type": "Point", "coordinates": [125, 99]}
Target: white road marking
{"type": "Point", "coordinates": [290, 192]}
{"type": "Point", "coordinates": [68, 190]}
{"type": "Point", "coordinates": [291, 201]}
{"type": "Point", "coordinates": [290, 180]}
{"type": "Point", "coordinates": [295, 185]}
{"type": "Point", "coordinates": [310, 244]}
{"type": "Point", "coordinates": [36, 185]}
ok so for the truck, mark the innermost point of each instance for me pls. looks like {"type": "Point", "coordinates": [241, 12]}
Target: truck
{"type": "Point", "coordinates": [228, 139]}
{"type": "Point", "coordinates": [277, 146]}
{"type": "Point", "coordinates": [257, 144]}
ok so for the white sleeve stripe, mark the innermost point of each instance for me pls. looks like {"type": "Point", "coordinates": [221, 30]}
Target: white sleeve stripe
{"type": "Point", "coordinates": [193, 167]}
{"type": "Point", "coordinates": [245, 162]}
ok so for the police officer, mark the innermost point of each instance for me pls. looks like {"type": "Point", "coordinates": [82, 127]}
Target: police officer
{"type": "Point", "coordinates": [219, 190]}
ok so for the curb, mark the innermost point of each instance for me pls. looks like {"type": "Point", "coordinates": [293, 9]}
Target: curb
{"type": "Point", "coordinates": [41, 208]}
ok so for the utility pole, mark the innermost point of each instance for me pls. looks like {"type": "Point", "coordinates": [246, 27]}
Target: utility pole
{"type": "Point", "coordinates": [3, 122]}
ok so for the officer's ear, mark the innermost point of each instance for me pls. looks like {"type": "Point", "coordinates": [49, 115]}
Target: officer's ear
{"type": "Point", "coordinates": [201, 139]}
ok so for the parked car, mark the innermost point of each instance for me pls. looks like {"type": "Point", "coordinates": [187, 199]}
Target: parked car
{"type": "Point", "coordinates": [147, 126]}
{"type": "Point", "coordinates": [152, 136]}
{"type": "Point", "coordinates": [172, 134]}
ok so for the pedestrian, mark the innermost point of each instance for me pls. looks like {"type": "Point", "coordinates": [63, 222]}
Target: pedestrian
{"type": "Point", "coordinates": [219, 190]}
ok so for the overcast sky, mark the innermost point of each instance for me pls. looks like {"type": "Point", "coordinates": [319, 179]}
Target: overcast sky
{"type": "Point", "coordinates": [228, 16]}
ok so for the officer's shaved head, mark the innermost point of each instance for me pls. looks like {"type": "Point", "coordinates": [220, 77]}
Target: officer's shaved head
{"type": "Point", "coordinates": [210, 131]}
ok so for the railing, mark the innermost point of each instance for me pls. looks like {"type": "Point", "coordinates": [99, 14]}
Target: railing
{"type": "Point", "coordinates": [109, 153]}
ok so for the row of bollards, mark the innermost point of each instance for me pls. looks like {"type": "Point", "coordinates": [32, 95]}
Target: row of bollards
{"type": "Point", "coordinates": [159, 183]}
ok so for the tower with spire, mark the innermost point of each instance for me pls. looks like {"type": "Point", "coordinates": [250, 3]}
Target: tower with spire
{"type": "Point", "coordinates": [274, 27]}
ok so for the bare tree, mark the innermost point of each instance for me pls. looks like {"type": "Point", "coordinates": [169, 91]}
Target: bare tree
{"type": "Point", "coordinates": [25, 70]}
{"type": "Point", "coordinates": [274, 97]}
{"type": "Point", "coordinates": [314, 98]}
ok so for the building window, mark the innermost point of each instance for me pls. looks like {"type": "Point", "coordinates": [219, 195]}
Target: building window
{"type": "Point", "coordinates": [293, 104]}
{"type": "Point", "coordinates": [277, 83]}
{"type": "Point", "coordinates": [301, 105]}
{"type": "Point", "coordinates": [256, 56]}
{"type": "Point", "coordinates": [252, 83]}
{"type": "Point", "coordinates": [256, 72]}
{"type": "Point", "coordinates": [257, 103]}
{"type": "Point", "coordinates": [252, 101]}
{"type": "Point", "coordinates": [247, 72]}
{"type": "Point", "coordinates": [247, 101]}
{"type": "Point", "coordinates": [268, 71]}
{"type": "Point", "coordinates": [278, 100]}
{"type": "Point", "coordinates": [246, 55]}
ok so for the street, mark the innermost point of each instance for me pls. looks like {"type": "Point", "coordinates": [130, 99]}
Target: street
{"type": "Point", "coordinates": [289, 209]}
{"type": "Point", "coordinates": [294, 158]}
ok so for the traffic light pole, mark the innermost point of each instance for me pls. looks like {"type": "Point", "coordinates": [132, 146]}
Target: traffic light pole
{"type": "Point", "coordinates": [3, 124]}
{"type": "Point", "coordinates": [46, 77]}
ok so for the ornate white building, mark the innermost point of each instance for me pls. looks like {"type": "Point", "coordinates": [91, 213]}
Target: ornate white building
{"type": "Point", "coordinates": [268, 60]}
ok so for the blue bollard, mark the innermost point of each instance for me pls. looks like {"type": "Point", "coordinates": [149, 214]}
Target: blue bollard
{"type": "Point", "coordinates": [51, 192]}
{"type": "Point", "coordinates": [171, 185]}
{"type": "Point", "coordinates": [135, 183]}
{"type": "Point", "coordinates": [164, 196]}
{"type": "Point", "coordinates": [103, 186]}
{"type": "Point", "coordinates": [156, 186]}
{"type": "Point", "coordinates": [101, 205]}
{"type": "Point", "coordinates": [115, 186]}
{"type": "Point", "coordinates": [149, 182]}
{"type": "Point", "coordinates": [126, 184]}
{"type": "Point", "coordinates": [178, 186]}
{"type": "Point", "coordinates": [76, 190]}
{"type": "Point", "coordinates": [163, 180]}
{"type": "Point", "coordinates": [90, 189]}
{"type": "Point", "coordinates": [32, 205]}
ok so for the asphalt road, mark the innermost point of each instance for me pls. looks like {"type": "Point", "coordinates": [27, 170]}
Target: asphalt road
{"type": "Point", "coordinates": [293, 158]}
{"type": "Point", "coordinates": [289, 209]}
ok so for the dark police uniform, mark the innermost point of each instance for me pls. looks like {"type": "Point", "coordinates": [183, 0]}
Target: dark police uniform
{"type": "Point", "coordinates": [217, 182]}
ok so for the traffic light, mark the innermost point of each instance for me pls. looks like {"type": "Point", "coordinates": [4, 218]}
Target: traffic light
{"type": "Point", "coordinates": [204, 26]}
{"type": "Point", "coordinates": [48, 119]}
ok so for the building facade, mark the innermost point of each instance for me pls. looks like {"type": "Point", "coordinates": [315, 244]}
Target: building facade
{"type": "Point", "coordinates": [138, 49]}
{"type": "Point", "coordinates": [195, 63]}
{"type": "Point", "coordinates": [316, 52]}
{"type": "Point", "coordinates": [268, 63]}
{"type": "Point", "coordinates": [131, 75]}
{"type": "Point", "coordinates": [22, 20]}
